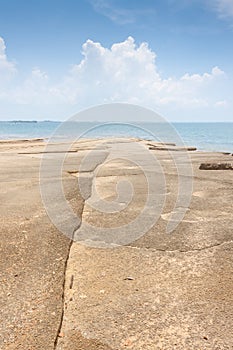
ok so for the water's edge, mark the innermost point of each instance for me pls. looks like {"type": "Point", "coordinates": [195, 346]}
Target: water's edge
{"type": "Point", "coordinates": [204, 136]}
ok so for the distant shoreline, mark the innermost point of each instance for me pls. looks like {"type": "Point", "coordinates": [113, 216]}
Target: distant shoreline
{"type": "Point", "coordinates": [107, 121]}
{"type": "Point", "coordinates": [210, 137]}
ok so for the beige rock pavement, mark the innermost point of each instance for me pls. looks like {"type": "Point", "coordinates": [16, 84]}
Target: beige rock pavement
{"type": "Point", "coordinates": [162, 291]}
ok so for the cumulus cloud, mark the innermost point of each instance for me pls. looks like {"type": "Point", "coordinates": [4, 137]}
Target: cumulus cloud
{"type": "Point", "coordinates": [122, 72]}
{"type": "Point", "coordinates": [6, 67]}
{"type": "Point", "coordinates": [197, 78]}
{"type": "Point", "coordinates": [128, 73]}
{"type": "Point", "coordinates": [125, 72]}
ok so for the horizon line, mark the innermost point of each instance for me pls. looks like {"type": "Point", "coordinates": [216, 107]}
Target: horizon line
{"type": "Point", "coordinates": [108, 122]}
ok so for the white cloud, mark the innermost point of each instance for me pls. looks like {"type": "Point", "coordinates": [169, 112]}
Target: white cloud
{"type": "Point", "coordinates": [197, 78]}
{"type": "Point", "coordinates": [222, 103]}
{"type": "Point", "coordinates": [224, 7]}
{"type": "Point", "coordinates": [126, 72]}
{"type": "Point", "coordinates": [35, 89]}
{"type": "Point", "coordinates": [6, 67]}
{"type": "Point", "coordinates": [119, 15]}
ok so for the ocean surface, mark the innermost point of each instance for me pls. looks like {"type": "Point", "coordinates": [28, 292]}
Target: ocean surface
{"type": "Point", "coordinates": [204, 136]}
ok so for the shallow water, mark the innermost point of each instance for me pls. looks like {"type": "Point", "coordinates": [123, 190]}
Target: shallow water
{"type": "Point", "coordinates": [205, 136]}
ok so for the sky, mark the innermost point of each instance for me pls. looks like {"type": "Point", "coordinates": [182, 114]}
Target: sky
{"type": "Point", "coordinates": [172, 56]}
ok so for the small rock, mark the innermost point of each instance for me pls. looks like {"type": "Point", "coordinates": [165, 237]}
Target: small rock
{"type": "Point", "coordinates": [127, 342]}
{"type": "Point", "coordinates": [216, 166]}
{"type": "Point", "coordinates": [82, 296]}
{"type": "Point", "coordinates": [129, 278]}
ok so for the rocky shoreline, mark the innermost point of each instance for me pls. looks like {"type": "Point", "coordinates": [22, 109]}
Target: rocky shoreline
{"type": "Point", "coordinates": [160, 291]}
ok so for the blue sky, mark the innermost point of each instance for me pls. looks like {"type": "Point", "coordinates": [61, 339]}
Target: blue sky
{"type": "Point", "coordinates": [59, 57]}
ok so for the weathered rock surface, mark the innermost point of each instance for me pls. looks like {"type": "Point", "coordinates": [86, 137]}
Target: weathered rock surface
{"type": "Point", "coordinates": [216, 166]}
{"type": "Point", "coordinates": [162, 291]}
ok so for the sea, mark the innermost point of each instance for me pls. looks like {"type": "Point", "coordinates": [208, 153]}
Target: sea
{"type": "Point", "coordinates": [204, 136]}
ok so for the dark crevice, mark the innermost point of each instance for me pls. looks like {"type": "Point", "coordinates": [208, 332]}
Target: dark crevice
{"type": "Point", "coordinates": [65, 269]}
{"type": "Point", "coordinates": [64, 283]}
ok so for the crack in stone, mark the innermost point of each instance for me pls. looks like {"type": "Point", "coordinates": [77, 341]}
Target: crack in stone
{"type": "Point", "coordinates": [128, 246]}
{"type": "Point", "coordinates": [67, 260]}
{"type": "Point", "coordinates": [48, 152]}
{"type": "Point", "coordinates": [63, 287]}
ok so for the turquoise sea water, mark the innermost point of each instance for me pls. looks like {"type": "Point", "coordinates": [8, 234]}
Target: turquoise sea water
{"type": "Point", "coordinates": [205, 136]}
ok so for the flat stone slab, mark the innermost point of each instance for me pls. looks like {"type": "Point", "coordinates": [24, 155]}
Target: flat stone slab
{"type": "Point", "coordinates": [159, 290]}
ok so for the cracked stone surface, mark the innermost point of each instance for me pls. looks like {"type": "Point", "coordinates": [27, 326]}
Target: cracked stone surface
{"type": "Point", "coordinates": [162, 291]}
